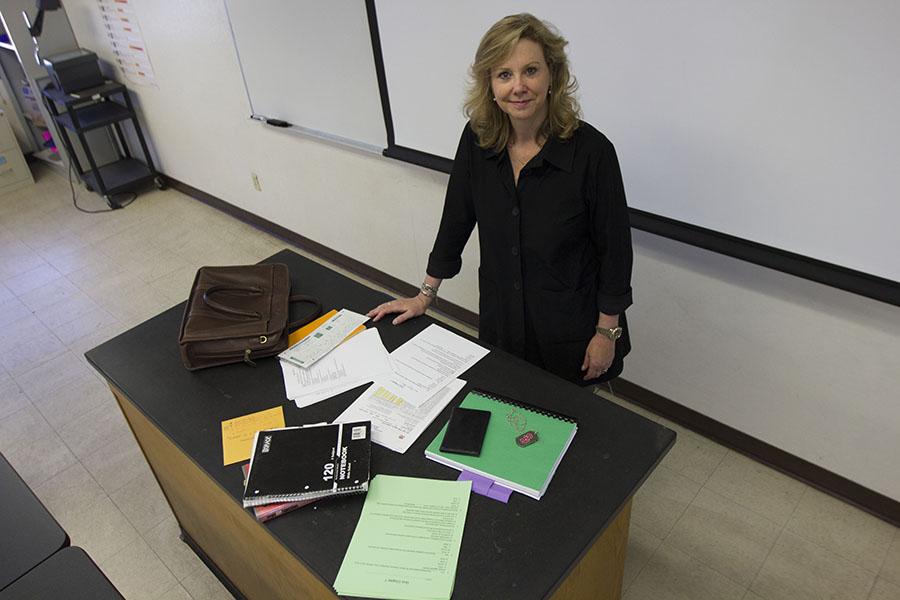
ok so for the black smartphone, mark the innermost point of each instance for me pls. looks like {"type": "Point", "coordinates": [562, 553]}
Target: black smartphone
{"type": "Point", "coordinates": [465, 431]}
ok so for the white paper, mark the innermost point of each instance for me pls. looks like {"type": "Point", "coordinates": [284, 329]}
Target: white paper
{"type": "Point", "coordinates": [361, 359]}
{"type": "Point", "coordinates": [323, 339]}
{"type": "Point", "coordinates": [427, 363]}
{"type": "Point", "coordinates": [397, 425]}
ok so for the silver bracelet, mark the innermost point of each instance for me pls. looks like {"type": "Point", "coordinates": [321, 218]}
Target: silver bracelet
{"type": "Point", "coordinates": [429, 291]}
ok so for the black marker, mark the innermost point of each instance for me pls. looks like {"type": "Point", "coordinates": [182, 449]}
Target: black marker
{"type": "Point", "coordinates": [277, 123]}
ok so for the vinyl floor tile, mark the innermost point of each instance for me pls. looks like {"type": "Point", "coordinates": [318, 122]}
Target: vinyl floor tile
{"type": "Point", "coordinates": [661, 501]}
{"type": "Point", "coordinates": [884, 590]}
{"type": "Point", "coordinates": [725, 536]}
{"type": "Point", "coordinates": [92, 430]}
{"type": "Point", "coordinates": [797, 569]}
{"type": "Point", "coordinates": [69, 492]}
{"type": "Point", "coordinates": [641, 546]}
{"type": "Point", "coordinates": [757, 487]}
{"type": "Point", "coordinates": [101, 529]}
{"type": "Point", "coordinates": [890, 570]}
{"type": "Point", "coordinates": [673, 575]}
{"type": "Point", "coordinates": [203, 585]}
{"type": "Point", "coordinates": [12, 398]}
{"type": "Point", "coordinates": [176, 555]}
{"type": "Point", "coordinates": [142, 502]}
{"type": "Point", "coordinates": [32, 279]}
{"type": "Point", "coordinates": [147, 583]}
{"type": "Point", "coordinates": [849, 532]}
{"type": "Point", "coordinates": [116, 463]}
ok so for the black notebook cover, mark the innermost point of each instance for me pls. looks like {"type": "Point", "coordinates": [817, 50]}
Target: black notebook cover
{"type": "Point", "coordinates": [308, 462]}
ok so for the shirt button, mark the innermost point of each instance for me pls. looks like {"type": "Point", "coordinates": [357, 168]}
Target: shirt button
{"type": "Point", "coordinates": [517, 285]}
{"type": "Point", "coordinates": [515, 211]}
{"type": "Point", "coordinates": [515, 250]}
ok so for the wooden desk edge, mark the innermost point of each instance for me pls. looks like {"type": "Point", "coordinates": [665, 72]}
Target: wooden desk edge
{"type": "Point", "coordinates": [257, 565]}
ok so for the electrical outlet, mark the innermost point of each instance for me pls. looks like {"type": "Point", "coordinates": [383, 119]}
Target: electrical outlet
{"type": "Point", "coordinates": [256, 184]}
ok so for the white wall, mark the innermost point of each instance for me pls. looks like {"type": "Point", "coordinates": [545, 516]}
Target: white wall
{"type": "Point", "coordinates": [810, 369]}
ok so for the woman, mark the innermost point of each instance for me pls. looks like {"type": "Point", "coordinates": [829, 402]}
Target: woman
{"type": "Point", "coordinates": [547, 194]}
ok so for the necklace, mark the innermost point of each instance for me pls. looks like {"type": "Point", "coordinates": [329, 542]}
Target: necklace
{"type": "Point", "coordinates": [519, 422]}
{"type": "Point", "coordinates": [520, 158]}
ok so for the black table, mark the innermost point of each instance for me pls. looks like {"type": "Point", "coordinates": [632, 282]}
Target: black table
{"type": "Point", "coordinates": [569, 544]}
{"type": "Point", "coordinates": [69, 574]}
{"type": "Point", "coordinates": [29, 534]}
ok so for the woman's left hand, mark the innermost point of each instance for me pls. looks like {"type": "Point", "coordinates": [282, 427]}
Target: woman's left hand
{"type": "Point", "coordinates": [598, 356]}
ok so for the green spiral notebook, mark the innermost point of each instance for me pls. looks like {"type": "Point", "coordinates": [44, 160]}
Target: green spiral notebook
{"type": "Point", "coordinates": [528, 468]}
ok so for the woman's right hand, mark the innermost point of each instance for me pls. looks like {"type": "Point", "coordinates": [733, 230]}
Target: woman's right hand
{"type": "Point", "coordinates": [407, 307]}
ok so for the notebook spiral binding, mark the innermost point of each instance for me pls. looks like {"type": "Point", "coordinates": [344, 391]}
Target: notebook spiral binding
{"type": "Point", "coordinates": [526, 406]}
{"type": "Point", "coordinates": [276, 498]}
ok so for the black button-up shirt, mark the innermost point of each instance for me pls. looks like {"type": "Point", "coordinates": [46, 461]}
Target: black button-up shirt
{"type": "Point", "coordinates": [555, 249]}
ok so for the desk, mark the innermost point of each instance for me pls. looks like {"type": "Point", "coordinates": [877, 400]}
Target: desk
{"type": "Point", "coordinates": [570, 544]}
{"type": "Point", "coordinates": [29, 534]}
{"type": "Point", "coordinates": [69, 574]}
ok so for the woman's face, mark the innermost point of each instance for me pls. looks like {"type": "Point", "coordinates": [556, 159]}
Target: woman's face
{"type": "Point", "coordinates": [520, 84]}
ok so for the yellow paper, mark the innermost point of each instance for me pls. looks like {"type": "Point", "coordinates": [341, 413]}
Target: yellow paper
{"type": "Point", "coordinates": [237, 434]}
{"type": "Point", "coordinates": [304, 331]}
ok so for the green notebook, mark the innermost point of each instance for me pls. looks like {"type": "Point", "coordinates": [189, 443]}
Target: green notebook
{"type": "Point", "coordinates": [526, 469]}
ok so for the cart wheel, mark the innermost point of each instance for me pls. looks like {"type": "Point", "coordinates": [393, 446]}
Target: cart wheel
{"type": "Point", "coordinates": [160, 183]}
{"type": "Point", "coordinates": [88, 187]}
{"type": "Point", "coordinates": [109, 201]}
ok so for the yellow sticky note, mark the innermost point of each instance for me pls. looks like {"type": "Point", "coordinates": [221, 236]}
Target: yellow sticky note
{"type": "Point", "coordinates": [237, 434]}
{"type": "Point", "coordinates": [304, 331]}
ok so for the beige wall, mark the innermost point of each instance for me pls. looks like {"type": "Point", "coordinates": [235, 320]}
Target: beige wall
{"type": "Point", "coordinates": [810, 369]}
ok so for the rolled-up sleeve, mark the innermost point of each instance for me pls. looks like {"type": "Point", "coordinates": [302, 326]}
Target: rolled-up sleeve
{"type": "Point", "coordinates": [612, 236]}
{"type": "Point", "coordinates": [458, 218]}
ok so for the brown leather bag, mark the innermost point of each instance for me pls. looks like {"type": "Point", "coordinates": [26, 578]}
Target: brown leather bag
{"type": "Point", "coordinates": [239, 313]}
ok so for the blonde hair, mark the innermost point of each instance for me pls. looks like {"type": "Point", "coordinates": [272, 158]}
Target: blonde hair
{"type": "Point", "coordinates": [490, 124]}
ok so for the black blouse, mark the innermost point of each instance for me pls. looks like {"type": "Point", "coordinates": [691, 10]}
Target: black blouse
{"type": "Point", "coordinates": [555, 249]}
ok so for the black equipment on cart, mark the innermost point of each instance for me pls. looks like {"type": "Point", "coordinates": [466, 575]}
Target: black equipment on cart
{"type": "Point", "coordinates": [75, 70]}
{"type": "Point", "coordinates": [106, 105]}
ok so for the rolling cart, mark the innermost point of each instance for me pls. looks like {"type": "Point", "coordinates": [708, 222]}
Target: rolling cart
{"type": "Point", "coordinates": [107, 105]}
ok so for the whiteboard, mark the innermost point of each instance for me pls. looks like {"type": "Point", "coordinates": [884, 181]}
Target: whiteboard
{"type": "Point", "coordinates": [775, 122]}
{"type": "Point", "coordinates": [310, 63]}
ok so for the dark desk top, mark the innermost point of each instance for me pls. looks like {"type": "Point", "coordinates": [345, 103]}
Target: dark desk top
{"type": "Point", "coordinates": [70, 574]}
{"type": "Point", "coordinates": [28, 533]}
{"type": "Point", "coordinates": [525, 547]}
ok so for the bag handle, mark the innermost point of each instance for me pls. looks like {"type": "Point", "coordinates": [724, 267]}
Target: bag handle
{"type": "Point", "coordinates": [222, 308]}
{"type": "Point", "coordinates": [317, 310]}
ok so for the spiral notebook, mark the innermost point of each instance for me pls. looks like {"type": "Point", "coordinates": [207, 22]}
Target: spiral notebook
{"type": "Point", "coordinates": [308, 462]}
{"type": "Point", "coordinates": [509, 456]}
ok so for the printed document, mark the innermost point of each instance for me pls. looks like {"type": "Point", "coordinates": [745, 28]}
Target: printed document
{"type": "Point", "coordinates": [361, 359]}
{"type": "Point", "coordinates": [406, 543]}
{"type": "Point", "coordinates": [427, 363]}
{"type": "Point", "coordinates": [323, 339]}
{"type": "Point", "coordinates": [395, 423]}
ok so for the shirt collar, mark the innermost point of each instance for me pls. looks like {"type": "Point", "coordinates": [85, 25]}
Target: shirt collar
{"type": "Point", "coordinates": [558, 152]}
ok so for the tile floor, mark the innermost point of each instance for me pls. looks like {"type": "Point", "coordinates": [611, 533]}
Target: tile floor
{"type": "Point", "coordinates": [708, 524]}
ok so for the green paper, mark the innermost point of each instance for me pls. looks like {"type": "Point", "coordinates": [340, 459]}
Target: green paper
{"type": "Point", "coordinates": [406, 543]}
{"type": "Point", "coordinates": [526, 469]}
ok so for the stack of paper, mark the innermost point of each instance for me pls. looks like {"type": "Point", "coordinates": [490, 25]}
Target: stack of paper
{"type": "Point", "coordinates": [396, 424]}
{"type": "Point", "coordinates": [411, 386]}
{"type": "Point", "coordinates": [424, 365]}
{"type": "Point", "coordinates": [424, 380]}
{"type": "Point", "coordinates": [359, 360]}
{"type": "Point", "coordinates": [406, 543]}
{"type": "Point", "coordinates": [323, 339]}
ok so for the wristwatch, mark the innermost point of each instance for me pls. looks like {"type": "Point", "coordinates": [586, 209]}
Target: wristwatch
{"type": "Point", "coordinates": [613, 334]}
